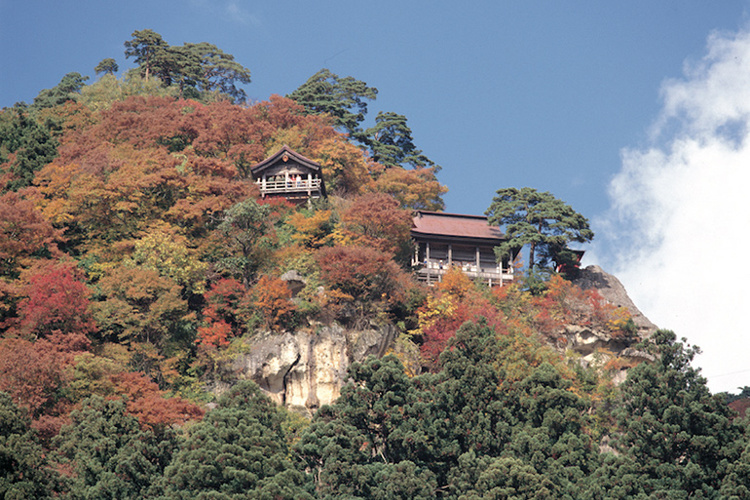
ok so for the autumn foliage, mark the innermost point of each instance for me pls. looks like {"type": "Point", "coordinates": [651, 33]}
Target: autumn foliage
{"type": "Point", "coordinates": [53, 300]}
{"type": "Point", "coordinates": [150, 405]}
{"type": "Point", "coordinates": [136, 259]}
{"type": "Point", "coordinates": [456, 300]}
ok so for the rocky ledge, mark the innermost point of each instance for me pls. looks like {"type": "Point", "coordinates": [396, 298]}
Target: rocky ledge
{"type": "Point", "coordinates": [306, 369]}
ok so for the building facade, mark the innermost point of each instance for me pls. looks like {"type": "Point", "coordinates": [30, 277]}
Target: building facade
{"type": "Point", "coordinates": [290, 175]}
{"type": "Point", "coordinates": [444, 240]}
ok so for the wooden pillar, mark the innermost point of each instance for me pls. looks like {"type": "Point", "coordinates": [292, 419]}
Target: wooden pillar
{"type": "Point", "coordinates": [479, 263]}
{"type": "Point", "coordinates": [450, 255]}
{"type": "Point", "coordinates": [309, 184]}
{"type": "Point", "coordinates": [427, 262]}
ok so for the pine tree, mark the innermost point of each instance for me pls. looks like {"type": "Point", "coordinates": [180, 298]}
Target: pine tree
{"type": "Point", "coordinates": [237, 452]}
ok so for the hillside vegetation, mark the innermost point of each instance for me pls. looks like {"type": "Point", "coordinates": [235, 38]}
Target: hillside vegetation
{"type": "Point", "coordinates": [136, 255]}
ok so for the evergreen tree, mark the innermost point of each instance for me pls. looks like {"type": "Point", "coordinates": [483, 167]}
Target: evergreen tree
{"type": "Point", "coordinates": [371, 442]}
{"type": "Point", "coordinates": [539, 220]}
{"type": "Point", "coordinates": [550, 435]}
{"type": "Point", "coordinates": [195, 68]}
{"type": "Point", "coordinates": [683, 440]}
{"type": "Point", "coordinates": [110, 455]}
{"type": "Point", "coordinates": [342, 98]}
{"type": "Point", "coordinates": [68, 89]}
{"type": "Point", "coordinates": [107, 66]}
{"type": "Point", "coordinates": [237, 452]}
{"type": "Point", "coordinates": [30, 143]}
{"type": "Point", "coordinates": [24, 471]}
{"type": "Point", "coordinates": [144, 46]}
{"type": "Point", "coordinates": [391, 144]}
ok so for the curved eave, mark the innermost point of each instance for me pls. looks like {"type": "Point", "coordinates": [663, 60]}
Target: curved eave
{"type": "Point", "coordinates": [277, 157]}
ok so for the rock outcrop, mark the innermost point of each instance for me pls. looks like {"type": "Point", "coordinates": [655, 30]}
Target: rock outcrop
{"type": "Point", "coordinates": [593, 277]}
{"type": "Point", "coordinates": [304, 370]}
{"type": "Point", "coordinates": [597, 346]}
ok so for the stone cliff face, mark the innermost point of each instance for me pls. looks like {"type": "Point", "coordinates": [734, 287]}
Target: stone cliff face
{"type": "Point", "coordinates": [305, 370]}
{"type": "Point", "coordinates": [593, 277]}
{"type": "Point", "coordinates": [599, 346]}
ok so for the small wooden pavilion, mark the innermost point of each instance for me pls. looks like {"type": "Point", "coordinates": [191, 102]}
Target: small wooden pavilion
{"type": "Point", "coordinates": [290, 175]}
{"type": "Point", "coordinates": [445, 240]}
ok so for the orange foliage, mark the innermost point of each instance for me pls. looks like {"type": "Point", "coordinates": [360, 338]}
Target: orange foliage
{"type": "Point", "coordinates": [455, 283]}
{"type": "Point", "coordinates": [35, 375]}
{"type": "Point", "coordinates": [24, 234]}
{"type": "Point", "coordinates": [345, 169]}
{"type": "Point", "coordinates": [217, 333]}
{"type": "Point", "coordinates": [312, 231]}
{"type": "Point", "coordinates": [416, 189]}
{"type": "Point", "coordinates": [225, 315]}
{"type": "Point", "coordinates": [375, 220]}
{"type": "Point", "coordinates": [273, 302]}
{"type": "Point", "coordinates": [565, 303]}
{"type": "Point", "coordinates": [454, 301]}
{"type": "Point", "coordinates": [366, 277]}
{"type": "Point", "coordinates": [146, 402]}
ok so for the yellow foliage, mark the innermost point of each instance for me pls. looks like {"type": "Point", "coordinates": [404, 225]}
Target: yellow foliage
{"type": "Point", "coordinates": [166, 252]}
{"type": "Point", "coordinates": [346, 169]}
{"type": "Point", "coordinates": [313, 231]}
{"type": "Point", "coordinates": [455, 283]}
{"type": "Point", "coordinates": [437, 306]}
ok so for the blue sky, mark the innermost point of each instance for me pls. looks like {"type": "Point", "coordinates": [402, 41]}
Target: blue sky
{"type": "Point", "coordinates": [580, 98]}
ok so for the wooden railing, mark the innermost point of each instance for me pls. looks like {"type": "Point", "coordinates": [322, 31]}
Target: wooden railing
{"type": "Point", "coordinates": [290, 186]}
{"type": "Point", "coordinates": [494, 276]}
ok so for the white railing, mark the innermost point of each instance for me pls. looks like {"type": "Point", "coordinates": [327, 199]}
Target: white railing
{"type": "Point", "coordinates": [433, 272]}
{"type": "Point", "coordinates": [291, 185]}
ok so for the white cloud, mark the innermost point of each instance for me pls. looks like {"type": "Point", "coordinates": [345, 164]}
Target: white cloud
{"type": "Point", "coordinates": [235, 11]}
{"type": "Point", "coordinates": [680, 214]}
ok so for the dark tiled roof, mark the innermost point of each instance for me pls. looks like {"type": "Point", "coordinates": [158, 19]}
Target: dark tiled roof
{"type": "Point", "coordinates": [454, 225]}
{"type": "Point", "coordinates": [279, 157]}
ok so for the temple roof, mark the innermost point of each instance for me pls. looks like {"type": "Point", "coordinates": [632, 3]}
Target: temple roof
{"type": "Point", "coordinates": [284, 155]}
{"type": "Point", "coordinates": [439, 224]}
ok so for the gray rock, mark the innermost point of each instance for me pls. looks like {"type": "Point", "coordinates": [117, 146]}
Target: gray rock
{"type": "Point", "coordinates": [307, 369]}
{"type": "Point", "coordinates": [593, 277]}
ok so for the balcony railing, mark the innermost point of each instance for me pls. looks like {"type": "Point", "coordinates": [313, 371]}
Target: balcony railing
{"type": "Point", "coordinates": [290, 186]}
{"type": "Point", "coordinates": [432, 272]}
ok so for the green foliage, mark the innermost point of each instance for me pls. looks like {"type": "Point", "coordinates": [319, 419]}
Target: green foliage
{"type": "Point", "coordinates": [682, 438]}
{"type": "Point", "coordinates": [344, 99]}
{"type": "Point", "coordinates": [67, 90]}
{"type": "Point", "coordinates": [152, 197]}
{"type": "Point", "coordinates": [110, 456]}
{"type": "Point", "coordinates": [247, 229]}
{"type": "Point", "coordinates": [107, 66]}
{"type": "Point", "coordinates": [536, 219]}
{"type": "Point", "coordinates": [460, 432]}
{"type": "Point", "coordinates": [144, 46]}
{"type": "Point", "coordinates": [197, 69]}
{"type": "Point", "coordinates": [25, 147]}
{"type": "Point", "coordinates": [237, 451]}
{"type": "Point", "coordinates": [391, 144]}
{"type": "Point", "coordinates": [24, 471]}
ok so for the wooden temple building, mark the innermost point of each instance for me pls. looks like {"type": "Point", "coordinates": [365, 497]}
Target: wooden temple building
{"type": "Point", "coordinates": [290, 175]}
{"type": "Point", "coordinates": [444, 240]}
{"type": "Point", "coordinates": [441, 240]}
